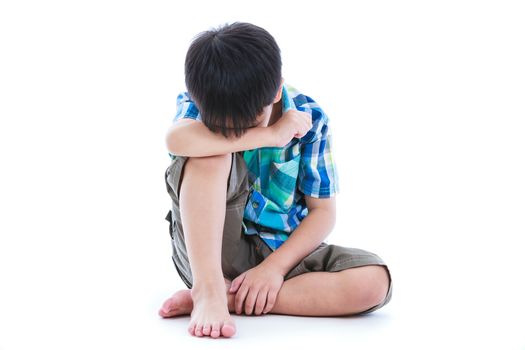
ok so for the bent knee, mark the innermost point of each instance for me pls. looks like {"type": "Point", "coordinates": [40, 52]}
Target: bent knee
{"type": "Point", "coordinates": [380, 285]}
{"type": "Point", "coordinates": [211, 163]}
{"type": "Point", "coordinates": [374, 288]}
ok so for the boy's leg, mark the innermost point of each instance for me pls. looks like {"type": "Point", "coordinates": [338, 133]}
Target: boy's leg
{"type": "Point", "coordinates": [202, 209]}
{"type": "Point", "coordinates": [353, 291]}
{"type": "Point", "coordinates": [237, 250]}
{"type": "Point", "coordinates": [352, 283]}
{"type": "Point", "coordinates": [200, 193]}
{"type": "Point", "coordinates": [331, 281]}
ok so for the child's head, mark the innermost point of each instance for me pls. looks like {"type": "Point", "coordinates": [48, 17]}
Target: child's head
{"type": "Point", "coordinates": [233, 74]}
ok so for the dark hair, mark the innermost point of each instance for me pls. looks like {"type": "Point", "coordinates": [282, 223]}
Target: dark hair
{"type": "Point", "coordinates": [232, 73]}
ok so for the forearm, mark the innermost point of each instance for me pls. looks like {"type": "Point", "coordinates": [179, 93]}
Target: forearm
{"type": "Point", "coordinates": [310, 233]}
{"type": "Point", "coordinates": [194, 139]}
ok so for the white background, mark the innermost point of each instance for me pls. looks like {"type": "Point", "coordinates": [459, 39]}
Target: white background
{"type": "Point", "coordinates": [426, 101]}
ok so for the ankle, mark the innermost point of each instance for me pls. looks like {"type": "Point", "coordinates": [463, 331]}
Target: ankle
{"type": "Point", "coordinates": [209, 288]}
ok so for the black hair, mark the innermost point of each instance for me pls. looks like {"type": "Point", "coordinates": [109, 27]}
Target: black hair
{"type": "Point", "coordinates": [233, 72]}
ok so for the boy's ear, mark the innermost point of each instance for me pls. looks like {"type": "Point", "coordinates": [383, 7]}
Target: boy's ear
{"type": "Point", "coordinates": [279, 93]}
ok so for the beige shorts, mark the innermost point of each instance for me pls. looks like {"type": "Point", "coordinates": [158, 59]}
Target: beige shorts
{"type": "Point", "coordinates": [241, 252]}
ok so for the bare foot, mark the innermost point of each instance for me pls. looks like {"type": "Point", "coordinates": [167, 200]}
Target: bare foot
{"type": "Point", "coordinates": [208, 309]}
{"type": "Point", "coordinates": [178, 304]}
{"type": "Point", "coordinates": [210, 315]}
{"type": "Point", "coordinates": [181, 303]}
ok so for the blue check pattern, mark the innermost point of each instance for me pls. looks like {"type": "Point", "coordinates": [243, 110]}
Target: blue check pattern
{"type": "Point", "coordinates": [280, 178]}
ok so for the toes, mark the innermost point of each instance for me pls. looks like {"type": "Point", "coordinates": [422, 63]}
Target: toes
{"type": "Point", "coordinates": [167, 313]}
{"type": "Point", "coordinates": [206, 330]}
{"type": "Point", "coordinates": [167, 305]}
{"type": "Point", "coordinates": [169, 308]}
{"type": "Point", "coordinates": [164, 312]}
{"type": "Point", "coordinates": [191, 329]}
{"type": "Point", "coordinates": [228, 330]}
{"type": "Point", "coordinates": [198, 330]}
{"type": "Point", "coordinates": [216, 330]}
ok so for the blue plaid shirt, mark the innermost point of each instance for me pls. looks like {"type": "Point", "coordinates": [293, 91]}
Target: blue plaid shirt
{"type": "Point", "coordinates": [281, 177]}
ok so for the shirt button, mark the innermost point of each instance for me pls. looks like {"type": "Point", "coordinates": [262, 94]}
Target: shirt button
{"type": "Point", "coordinates": [255, 205]}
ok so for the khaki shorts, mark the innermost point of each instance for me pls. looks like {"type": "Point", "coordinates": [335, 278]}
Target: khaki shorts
{"type": "Point", "coordinates": [241, 252]}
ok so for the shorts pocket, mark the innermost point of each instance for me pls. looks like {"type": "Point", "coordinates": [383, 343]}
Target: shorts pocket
{"type": "Point", "coordinates": [168, 218]}
{"type": "Point", "coordinates": [172, 176]}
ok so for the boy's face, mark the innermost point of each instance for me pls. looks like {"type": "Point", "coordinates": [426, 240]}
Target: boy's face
{"type": "Point", "coordinates": [272, 112]}
{"type": "Point", "coordinates": [264, 118]}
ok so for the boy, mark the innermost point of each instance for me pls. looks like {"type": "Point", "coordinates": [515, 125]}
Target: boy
{"type": "Point", "coordinates": [251, 164]}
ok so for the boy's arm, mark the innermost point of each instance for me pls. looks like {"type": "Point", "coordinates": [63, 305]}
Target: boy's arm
{"type": "Point", "coordinates": [192, 138]}
{"type": "Point", "coordinates": [319, 183]}
{"type": "Point", "coordinates": [310, 233]}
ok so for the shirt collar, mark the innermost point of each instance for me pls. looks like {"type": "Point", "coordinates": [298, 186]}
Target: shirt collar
{"type": "Point", "coordinates": [288, 102]}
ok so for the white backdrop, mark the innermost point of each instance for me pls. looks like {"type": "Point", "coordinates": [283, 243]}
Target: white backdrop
{"type": "Point", "coordinates": [426, 101]}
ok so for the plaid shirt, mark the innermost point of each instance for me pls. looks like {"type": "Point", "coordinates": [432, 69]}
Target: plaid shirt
{"type": "Point", "coordinates": [281, 177]}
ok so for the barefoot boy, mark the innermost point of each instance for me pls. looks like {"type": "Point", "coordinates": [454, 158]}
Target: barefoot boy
{"type": "Point", "coordinates": [253, 185]}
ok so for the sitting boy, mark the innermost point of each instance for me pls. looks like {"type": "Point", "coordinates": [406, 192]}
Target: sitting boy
{"type": "Point", "coordinates": [253, 183]}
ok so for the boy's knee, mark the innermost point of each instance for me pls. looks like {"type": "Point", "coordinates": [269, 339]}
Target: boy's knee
{"type": "Point", "coordinates": [212, 166]}
{"type": "Point", "coordinates": [216, 168]}
{"type": "Point", "coordinates": [371, 290]}
{"type": "Point", "coordinates": [378, 284]}
{"type": "Point", "coordinates": [211, 163]}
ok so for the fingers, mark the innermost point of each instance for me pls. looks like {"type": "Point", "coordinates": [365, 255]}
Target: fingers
{"type": "Point", "coordinates": [237, 282]}
{"type": "Point", "coordinates": [239, 299]}
{"type": "Point", "coordinates": [248, 297]}
{"type": "Point", "coordinates": [254, 294]}
{"type": "Point", "coordinates": [305, 124]}
{"type": "Point", "coordinates": [249, 304]}
{"type": "Point", "coordinates": [261, 301]}
{"type": "Point", "coordinates": [308, 124]}
{"type": "Point", "coordinates": [272, 297]}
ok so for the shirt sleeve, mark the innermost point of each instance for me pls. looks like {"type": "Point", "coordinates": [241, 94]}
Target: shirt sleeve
{"type": "Point", "coordinates": [318, 175]}
{"type": "Point", "coordinates": [186, 108]}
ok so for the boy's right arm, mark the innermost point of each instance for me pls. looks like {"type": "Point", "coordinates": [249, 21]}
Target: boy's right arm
{"type": "Point", "coordinates": [192, 138]}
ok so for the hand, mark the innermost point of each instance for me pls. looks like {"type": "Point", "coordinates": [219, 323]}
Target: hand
{"type": "Point", "coordinates": [293, 123]}
{"type": "Point", "coordinates": [259, 286]}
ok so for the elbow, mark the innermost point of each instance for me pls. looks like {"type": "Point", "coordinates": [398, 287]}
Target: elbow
{"type": "Point", "coordinates": [179, 136]}
{"type": "Point", "coordinates": [172, 141]}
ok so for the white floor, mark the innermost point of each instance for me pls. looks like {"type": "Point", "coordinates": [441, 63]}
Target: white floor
{"type": "Point", "coordinates": [105, 292]}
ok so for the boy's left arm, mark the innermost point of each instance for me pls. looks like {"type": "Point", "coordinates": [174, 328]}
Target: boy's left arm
{"type": "Point", "coordinates": [261, 284]}
{"type": "Point", "coordinates": [310, 233]}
